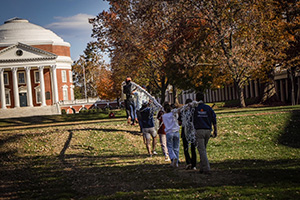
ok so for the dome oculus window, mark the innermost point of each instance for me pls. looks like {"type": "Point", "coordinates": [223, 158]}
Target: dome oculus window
{"type": "Point", "coordinates": [19, 52]}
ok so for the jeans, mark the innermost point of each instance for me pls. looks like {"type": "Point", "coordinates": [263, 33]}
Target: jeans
{"type": "Point", "coordinates": [163, 143]}
{"type": "Point", "coordinates": [202, 137]}
{"type": "Point", "coordinates": [173, 145]}
{"type": "Point", "coordinates": [132, 113]}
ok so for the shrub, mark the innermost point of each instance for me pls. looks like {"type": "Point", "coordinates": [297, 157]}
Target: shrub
{"type": "Point", "coordinates": [63, 112]}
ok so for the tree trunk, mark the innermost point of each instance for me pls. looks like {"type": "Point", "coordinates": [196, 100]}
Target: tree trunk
{"type": "Point", "coordinates": [175, 95]}
{"type": "Point", "coordinates": [240, 94]}
{"type": "Point", "coordinates": [241, 97]}
{"type": "Point", "coordinates": [163, 95]}
{"type": "Point", "coordinates": [268, 95]}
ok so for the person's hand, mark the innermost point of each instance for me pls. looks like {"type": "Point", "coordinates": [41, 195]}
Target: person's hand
{"type": "Point", "coordinates": [215, 134]}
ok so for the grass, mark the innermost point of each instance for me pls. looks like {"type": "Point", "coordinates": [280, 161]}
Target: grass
{"type": "Point", "coordinates": [255, 156]}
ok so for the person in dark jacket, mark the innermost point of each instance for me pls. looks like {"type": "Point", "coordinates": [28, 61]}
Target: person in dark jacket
{"type": "Point", "coordinates": [148, 129]}
{"type": "Point", "coordinates": [204, 119]}
{"type": "Point", "coordinates": [128, 90]}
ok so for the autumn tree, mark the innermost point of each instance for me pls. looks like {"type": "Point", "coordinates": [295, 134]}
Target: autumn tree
{"type": "Point", "coordinates": [289, 14]}
{"type": "Point", "coordinates": [105, 85]}
{"type": "Point", "coordinates": [87, 70]}
{"type": "Point", "coordinates": [191, 66]}
{"type": "Point", "coordinates": [134, 35]}
{"type": "Point", "coordinates": [274, 42]}
{"type": "Point", "coordinates": [234, 43]}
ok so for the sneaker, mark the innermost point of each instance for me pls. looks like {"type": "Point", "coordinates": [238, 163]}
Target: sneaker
{"type": "Point", "coordinates": [150, 155]}
{"type": "Point", "coordinates": [172, 163]}
{"type": "Point", "coordinates": [175, 162]}
{"type": "Point", "coordinates": [194, 168]}
{"type": "Point", "coordinates": [154, 153]}
{"type": "Point", "coordinates": [188, 166]}
{"type": "Point", "coordinates": [167, 159]}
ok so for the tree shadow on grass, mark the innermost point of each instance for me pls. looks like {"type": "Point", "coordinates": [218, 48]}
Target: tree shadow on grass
{"type": "Point", "coordinates": [291, 135]}
{"type": "Point", "coordinates": [48, 119]}
{"type": "Point", "coordinates": [46, 177]}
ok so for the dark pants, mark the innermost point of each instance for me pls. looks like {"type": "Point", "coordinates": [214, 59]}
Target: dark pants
{"type": "Point", "coordinates": [188, 159]}
{"type": "Point", "coordinates": [130, 110]}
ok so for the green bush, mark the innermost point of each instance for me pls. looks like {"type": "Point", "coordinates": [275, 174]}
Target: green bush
{"type": "Point", "coordinates": [63, 112]}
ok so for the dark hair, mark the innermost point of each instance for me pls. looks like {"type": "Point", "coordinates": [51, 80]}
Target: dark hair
{"type": "Point", "coordinates": [199, 96]}
{"type": "Point", "coordinates": [188, 101]}
{"type": "Point", "coordinates": [167, 107]}
{"type": "Point", "coordinates": [165, 103]}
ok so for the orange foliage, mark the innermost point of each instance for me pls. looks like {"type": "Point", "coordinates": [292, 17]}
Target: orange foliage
{"type": "Point", "coordinates": [105, 85]}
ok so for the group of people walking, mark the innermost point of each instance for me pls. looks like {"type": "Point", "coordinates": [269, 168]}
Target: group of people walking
{"type": "Point", "coordinates": [203, 119]}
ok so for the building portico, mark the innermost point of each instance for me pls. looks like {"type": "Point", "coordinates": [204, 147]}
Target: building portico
{"type": "Point", "coordinates": [35, 67]}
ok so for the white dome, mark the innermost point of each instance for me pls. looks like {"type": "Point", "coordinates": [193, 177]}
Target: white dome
{"type": "Point", "coordinates": [20, 30]}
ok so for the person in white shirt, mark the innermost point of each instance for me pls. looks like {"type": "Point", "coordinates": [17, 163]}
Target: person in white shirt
{"type": "Point", "coordinates": [172, 132]}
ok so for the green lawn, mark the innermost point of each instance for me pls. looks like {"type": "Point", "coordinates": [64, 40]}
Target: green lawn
{"type": "Point", "coordinates": [255, 156]}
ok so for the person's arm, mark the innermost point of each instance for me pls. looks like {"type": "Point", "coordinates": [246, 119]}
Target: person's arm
{"type": "Point", "coordinates": [215, 130]}
{"type": "Point", "coordinates": [214, 124]}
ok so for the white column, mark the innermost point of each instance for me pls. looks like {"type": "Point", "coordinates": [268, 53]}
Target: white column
{"type": "Point", "coordinates": [233, 92]}
{"type": "Point", "coordinates": [256, 88]}
{"type": "Point", "coordinates": [15, 86]}
{"type": "Point", "coordinates": [207, 96]}
{"type": "Point", "coordinates": [281, 91]}
{"type": "Point", "coordinates": [42, 85]}
{"type": "Point", "coordinates": [247, 90]}
{"type": "Point", "coordinates": [29, 90]}
{"type": "Point", "coordinates": [2, 89]}
{"type": "Point", "coordinates": [286, 89]}
{"type": "Point", "coordinates": [251, 89]}
{"type": "Point", "coordinates": [54, 81]}
{"type": "Point", "coordinates": [183, 97]}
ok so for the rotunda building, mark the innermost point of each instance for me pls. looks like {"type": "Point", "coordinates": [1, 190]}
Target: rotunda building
{"type": "Point", "coordinates": [35, 66]}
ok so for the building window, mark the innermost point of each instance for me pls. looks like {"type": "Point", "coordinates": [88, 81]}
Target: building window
{"type": "Point", "coordinates": [64, 76]}
{"type": "Point", "coordinates": [38, 95]}
{"type": "Point", "coordinates": [6, 81]}
{"type": "Point", "coordinates": [71, 76]}
{"type": "Point", "coordinates": [36, 77]}
{"type": "Point", "coordinates": [7, 97]}
{"type": "Point", "coordinates": [21, 77]}
{"type": "Point", "coordinates": [65, 92]}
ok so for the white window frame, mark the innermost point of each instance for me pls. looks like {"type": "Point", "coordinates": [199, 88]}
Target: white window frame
{"type": "Point", "coordinates": [38, 94]}
{"type": "Point", "coordinates": [7, 78]}
{"type": "Point", "coordinates": [36, 76]}
{"type": "Point", "coordinates": [19, 78]}
{"type": "Point", "coordinates": [71, 76]}
{"type": "Point", "coordinates": [7, 92]}
{"type": "Point", "coordinates": [72, 92]}
{"type": "Point", "coordinates": [65, 93]}
{"type": "Point", "coordinates": [63, 76]}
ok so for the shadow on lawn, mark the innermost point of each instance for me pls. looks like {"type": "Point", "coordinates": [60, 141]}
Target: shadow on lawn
{"type": "Point", "coordinates": [78, 176]}
{"type": "Point", "coordinates": [48, 119]}
{"type": "Point", "coordinates": [291, 135]}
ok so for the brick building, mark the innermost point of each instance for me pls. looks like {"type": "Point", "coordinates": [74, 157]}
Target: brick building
{"type": "Point", "coordinates": [35, 66]}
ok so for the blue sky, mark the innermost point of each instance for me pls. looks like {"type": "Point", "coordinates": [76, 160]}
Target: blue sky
{"type": "Point", "coordinates": [67, 18]}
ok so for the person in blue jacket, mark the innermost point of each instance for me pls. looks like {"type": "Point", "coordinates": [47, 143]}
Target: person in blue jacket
{"type": "Point", "coordinates": [147, 124]}
{"type": "Point", "coordinates": [204, 119]}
